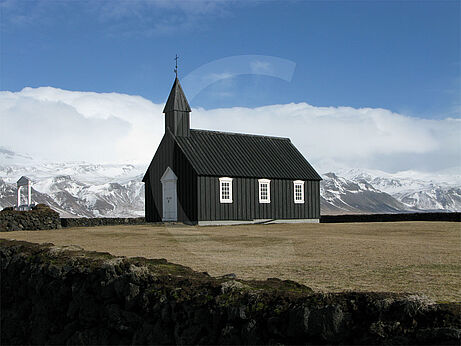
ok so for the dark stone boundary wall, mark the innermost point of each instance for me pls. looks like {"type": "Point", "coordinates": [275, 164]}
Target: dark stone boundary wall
{"type": "Point", "coordinates": [101, 221]}
{"type": "Point", "coordinates": [64, 295]}
{"type": "Point", "coordinates": [41, 217]}
{"type": "Point", "coordinates": [456, 217]}
{"type": "Point", "coordinates": [45, 218]}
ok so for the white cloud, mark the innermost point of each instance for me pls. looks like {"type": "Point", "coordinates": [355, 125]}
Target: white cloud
{"type": "Point", "coordinates": [70, 125]}
{"type": "Point", "coordinates": [333, 137]}
{"type": "Point", "coordinates": [109, 127]}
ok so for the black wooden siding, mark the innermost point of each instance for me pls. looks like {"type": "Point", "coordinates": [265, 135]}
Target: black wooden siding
{"type": "Point", "coordinates": [246, 206]}
{"type": "Point", "coordinates": [178, 122]}
{"type": "Point", "coordinates": [170, 155]}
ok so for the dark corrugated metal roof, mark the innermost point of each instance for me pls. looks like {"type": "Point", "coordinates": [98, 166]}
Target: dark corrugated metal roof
{"type": "Point", "coordinates": [176, 100]}
{"type": "Point", "coordinates": [242, 155]}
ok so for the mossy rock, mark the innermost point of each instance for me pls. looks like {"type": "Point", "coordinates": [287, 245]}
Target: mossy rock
{"type": "Point", "coordinates": [41, 206]}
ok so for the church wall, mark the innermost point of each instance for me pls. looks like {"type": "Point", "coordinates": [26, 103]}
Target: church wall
{"type": "Point", "coordinates": [186, 188]}
{"type": "Point", "coordinates": [246, 206]}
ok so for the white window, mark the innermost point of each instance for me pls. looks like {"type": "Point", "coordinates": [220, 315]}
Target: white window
{"type": "Point", "coordinates": [264, 191]}
{"type": "Point", "coordinates": [298, 191]}
{"type": "Point", "coordinates": [225, 190]}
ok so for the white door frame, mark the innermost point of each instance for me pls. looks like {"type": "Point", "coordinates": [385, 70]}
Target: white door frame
{"type": "Point", "coordinates": [169, 195]}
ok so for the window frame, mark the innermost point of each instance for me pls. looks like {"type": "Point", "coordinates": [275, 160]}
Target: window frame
{"type": "Point", "coordinates": [223, 180]}
{"type": "Point", "coordinates": [262, 182]}
{"type": "Point", "coordinates": [298, 183]}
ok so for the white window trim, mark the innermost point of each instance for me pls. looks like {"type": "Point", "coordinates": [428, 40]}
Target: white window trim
{"type": "Point", "coordinates": [261, 182]}
{"type": "Point", "coordinates": [301, 183]}
{"type": "Point", "coordinates": [225, 180]}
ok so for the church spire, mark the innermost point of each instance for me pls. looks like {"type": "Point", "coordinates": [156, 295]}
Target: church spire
{"type": "Point", "coordinates": [177, 109]}
{"type": "Point", "coordinates": [177, 100]}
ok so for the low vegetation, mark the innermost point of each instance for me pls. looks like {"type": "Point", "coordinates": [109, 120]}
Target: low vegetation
{"type": "Point", "coordinates": [415, 257]}
{"type": "Point", "coordinates": [66, 295]}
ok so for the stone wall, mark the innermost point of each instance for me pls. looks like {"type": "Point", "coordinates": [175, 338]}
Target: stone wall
{"type": "Point", "coordinates": [101, 221]}
{"type": "Point", "coordinates": [64, 295]}
{"type": "Point", "coordinates": [89, 222]}
{"type": "Point", "coordinates": [456, 217]}
{"type": "Point", "coordinates": [41, 217]}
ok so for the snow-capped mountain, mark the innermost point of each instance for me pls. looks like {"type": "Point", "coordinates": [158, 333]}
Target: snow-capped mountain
{"type": "Point", "coordinates": [64, 193]}
{"type": "Point", "coordinates": [78, 188]}
{"type": "Point", "coordinates": [422, 191]}
{"type": "Point", "coordinates": [8, 198]}
{"type": "Point", "coordinates": [433, 198]}
{"type": "Point", "coordinates": [116, 190]}
{"type": "Point", "coordinates": [92, 200]}
{"type": "Point", "coordinates": [340, 195]}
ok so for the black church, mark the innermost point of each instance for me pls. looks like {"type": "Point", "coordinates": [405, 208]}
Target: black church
{"type": "Point", "coordinates": [208, 177]}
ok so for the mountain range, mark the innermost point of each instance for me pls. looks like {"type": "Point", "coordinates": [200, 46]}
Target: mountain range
{"type": "Point", "coordinates": [116, 190]}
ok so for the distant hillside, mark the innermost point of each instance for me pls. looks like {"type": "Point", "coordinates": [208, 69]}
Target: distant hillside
{"type": "Point", "coordinates": [340, 195]}
{"type": "Point", "coordinates": [116, 190]}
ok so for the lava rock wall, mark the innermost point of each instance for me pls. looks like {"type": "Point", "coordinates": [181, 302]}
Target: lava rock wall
{"type": "Point", "coordinates": [64, 295]}
{"type": "Point", "coordinates": [39, 218]}
{"type": "Point", "coordinates": [101, 221]}
{"type": "Point", "coordinates": [452, 217]}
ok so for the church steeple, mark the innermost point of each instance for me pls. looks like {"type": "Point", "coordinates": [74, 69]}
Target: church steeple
{"type": "Point", "coordinates": [177, 100]}
{"type": "Point", "coordinates": [177, 110]}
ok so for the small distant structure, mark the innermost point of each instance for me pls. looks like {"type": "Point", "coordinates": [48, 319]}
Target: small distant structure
{"type": "Point", "coordinates": [24, 181]}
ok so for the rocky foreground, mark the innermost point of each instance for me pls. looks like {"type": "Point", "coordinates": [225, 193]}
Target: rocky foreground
{"type": "Point", "coordinates": [64, 295]}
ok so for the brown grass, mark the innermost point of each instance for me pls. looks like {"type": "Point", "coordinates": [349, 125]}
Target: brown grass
{"type": "Point", "coordinates": [419, 257]}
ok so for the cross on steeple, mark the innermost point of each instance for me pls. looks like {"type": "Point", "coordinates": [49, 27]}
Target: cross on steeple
{"type": "Point", "coordinates": [176, 66]}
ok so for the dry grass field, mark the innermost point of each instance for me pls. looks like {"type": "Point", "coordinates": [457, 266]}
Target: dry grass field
{"type": "Point", "coordinates": [419, 257]}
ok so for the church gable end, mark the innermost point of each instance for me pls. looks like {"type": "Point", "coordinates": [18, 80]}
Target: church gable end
{"type": "Point", "coordinates": [170, 159]}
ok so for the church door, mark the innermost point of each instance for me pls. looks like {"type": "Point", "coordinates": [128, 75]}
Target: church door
{"type": "Point", "coordinates": [170, 197]}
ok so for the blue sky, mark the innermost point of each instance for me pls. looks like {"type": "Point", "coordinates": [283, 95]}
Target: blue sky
{"type": "Point", "coordinates": [401, 56]}
{"type": "Point", "coordinates": [354, 84]}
